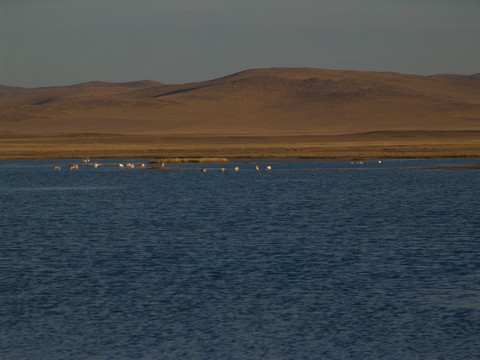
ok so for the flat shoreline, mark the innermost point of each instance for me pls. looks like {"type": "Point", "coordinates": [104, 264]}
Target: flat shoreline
{"type": "Point", "coordinates": [370, 145]}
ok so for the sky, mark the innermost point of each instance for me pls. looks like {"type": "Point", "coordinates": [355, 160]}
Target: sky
{"type": "Point", "coordinates": [66, 42]}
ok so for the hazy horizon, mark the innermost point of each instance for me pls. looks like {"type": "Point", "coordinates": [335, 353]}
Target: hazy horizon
{"type": "Point", "coordinates": [56, 43]}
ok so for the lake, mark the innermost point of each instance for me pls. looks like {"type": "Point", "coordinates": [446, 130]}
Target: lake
{"type": "Point", "coordinates": [311, 260]}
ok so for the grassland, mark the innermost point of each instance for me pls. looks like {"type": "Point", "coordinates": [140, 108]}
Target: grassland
{"type": "Point", "coordinates": [349, 146]}
{"type": "Point", "coordinates": [262, 113]}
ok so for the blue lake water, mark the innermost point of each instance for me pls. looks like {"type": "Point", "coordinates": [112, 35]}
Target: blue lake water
{"type": "Point", "coordinates": [110, 263]}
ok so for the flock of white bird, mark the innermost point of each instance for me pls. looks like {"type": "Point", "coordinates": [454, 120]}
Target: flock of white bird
{"type": "Point", "coordinates": [363, 162]}
{"type": "Point", "coordinates": [86, 162]}
{"type": "Point", "coordinates": [236, 169]}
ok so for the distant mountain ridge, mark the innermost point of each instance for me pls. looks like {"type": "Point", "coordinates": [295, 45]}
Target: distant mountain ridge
{"type": "Point", "coordinates": [276, 101]}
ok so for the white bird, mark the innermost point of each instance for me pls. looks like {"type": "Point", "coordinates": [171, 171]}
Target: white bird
{"type": "Point", "coordinates": [257, 168]}
{"type": "Point", "coordinates": [120, 165]}
{"type": "Point", "coordinates": [222, 169]}
{"type": "Point", "coordinates": [56, 167]}
{"type": "Point", "coordinates": [204, 170]}
{"type": "Point", "coordinates": [236, 168]}
{"type": "Point", "coordinates": [269, 168]}
{"type": "Point", "coordinates": [96, 165]}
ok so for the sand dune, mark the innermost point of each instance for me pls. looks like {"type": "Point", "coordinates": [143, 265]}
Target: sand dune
{"type": "Point", "coordinates": [261, 102]}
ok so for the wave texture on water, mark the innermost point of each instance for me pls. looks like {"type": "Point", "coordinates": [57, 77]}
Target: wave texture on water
{"type": "Point", "coordinates": [240, 265]}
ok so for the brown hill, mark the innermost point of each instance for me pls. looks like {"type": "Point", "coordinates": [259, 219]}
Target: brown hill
{"type": "Point", "coordinates": [261, 112]}
{"type": "Point", "coordinates": [277, 101]}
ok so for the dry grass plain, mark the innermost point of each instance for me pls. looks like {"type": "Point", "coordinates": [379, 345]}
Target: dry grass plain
{"type": "Point", "coordinates": [264, 113]}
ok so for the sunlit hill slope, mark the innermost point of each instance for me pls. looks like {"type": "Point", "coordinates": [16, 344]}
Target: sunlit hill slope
{"type": "Point", "coordinates": [278, 101]}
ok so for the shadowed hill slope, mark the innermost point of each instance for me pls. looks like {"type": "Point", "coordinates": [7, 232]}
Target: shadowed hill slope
{"type": "Point", "coordinates": [278, 101]}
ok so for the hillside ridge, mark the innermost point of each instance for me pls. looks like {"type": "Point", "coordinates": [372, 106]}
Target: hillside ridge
{"type": "Point", "coordinates": [270, 101]}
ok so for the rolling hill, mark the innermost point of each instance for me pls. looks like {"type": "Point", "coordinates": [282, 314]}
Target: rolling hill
{"type": "Point", "coordinates": [276, 102]}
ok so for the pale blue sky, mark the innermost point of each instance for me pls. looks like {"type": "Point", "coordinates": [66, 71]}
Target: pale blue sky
{"type": "Point", "coordinates": [64, 42]}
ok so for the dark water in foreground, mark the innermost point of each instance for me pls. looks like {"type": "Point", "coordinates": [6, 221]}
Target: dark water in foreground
{"type": "Point", "coordinates": [123, 264]}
